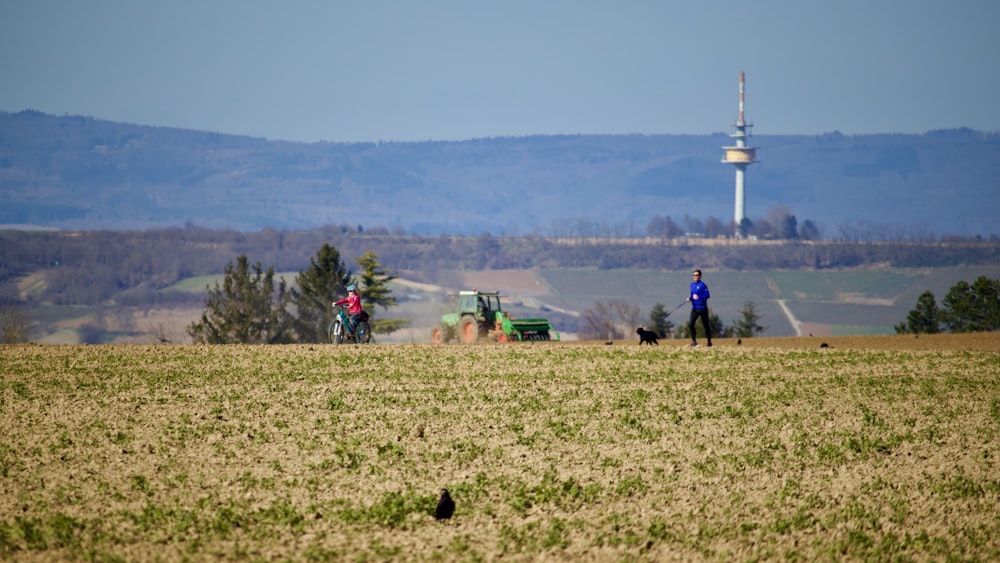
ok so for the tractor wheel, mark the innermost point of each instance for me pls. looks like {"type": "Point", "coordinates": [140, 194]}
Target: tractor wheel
{"type": "Point", "coordinates": [437, 336]}
{"type": "Point", "coordinates": [468, 331]}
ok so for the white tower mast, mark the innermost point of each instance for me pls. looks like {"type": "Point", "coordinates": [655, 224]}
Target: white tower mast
{"type": "Point", "coordinates": [740, 156]}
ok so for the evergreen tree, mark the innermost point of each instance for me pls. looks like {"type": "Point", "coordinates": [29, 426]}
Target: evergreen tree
{"type": "Point", "coordinates": [245, 309]}
{"type": "Point", "coordinates": [658, 321]}
{"type": "Point", "coordinates": [375, 292]}
{"type": "Point", "coordinates": [323, 282]}
{"type": "Point", "coordinates": [748, 323]}
{"type": "Point", "coordinates": [988, 291]}
{"type": "Point", "coordinates": [375, 280]}
{"type": "Point", "coordinates": [970, 308]}
{"type": "Point", "coordinates": [965, 308]}
{"type": "Point", "coordinates": [924, 318]}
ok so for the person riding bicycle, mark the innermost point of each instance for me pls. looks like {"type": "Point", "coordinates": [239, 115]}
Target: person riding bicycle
{"type": "Point", "coordinates": [354, 310]}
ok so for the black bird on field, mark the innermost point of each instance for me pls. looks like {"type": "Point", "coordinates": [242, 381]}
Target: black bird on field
{"type": "Point", "coordinates": [445, 507]}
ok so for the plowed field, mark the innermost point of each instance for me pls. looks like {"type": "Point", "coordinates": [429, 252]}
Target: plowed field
{"type": "Point", "coordinates": [867, 448]}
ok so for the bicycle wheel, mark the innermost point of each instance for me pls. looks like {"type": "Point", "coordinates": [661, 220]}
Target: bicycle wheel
{"type": "Point", "coordinates": [336, 332]}
{"type": "Point", "coordinates": [363, 333]}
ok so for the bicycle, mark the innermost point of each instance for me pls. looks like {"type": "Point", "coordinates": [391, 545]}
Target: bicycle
{"type": "Point", "coordinates": [339, 331]}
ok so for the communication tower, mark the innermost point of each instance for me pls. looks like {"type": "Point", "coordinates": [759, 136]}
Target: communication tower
{"type": "Point", "coordinates": [740, 156]}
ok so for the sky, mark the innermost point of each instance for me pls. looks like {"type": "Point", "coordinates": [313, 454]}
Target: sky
{"type": "Point", "coordinates": [408, 70]}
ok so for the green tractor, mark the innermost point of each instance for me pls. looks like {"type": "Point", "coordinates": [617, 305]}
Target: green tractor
{"type": "Point", "coordinates": [481, 318]}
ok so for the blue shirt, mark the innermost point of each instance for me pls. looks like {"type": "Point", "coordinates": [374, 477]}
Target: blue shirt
{"type": "Point", "coordinates": [701, 290]}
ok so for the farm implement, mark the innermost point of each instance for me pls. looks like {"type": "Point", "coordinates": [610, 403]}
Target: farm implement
{"type": "Point", "coordinates": [481, 318]}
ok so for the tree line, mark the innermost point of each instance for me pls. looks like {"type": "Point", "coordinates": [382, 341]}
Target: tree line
{"type": "Point", "coordinates": [137, 268]}
{"type": "Point", "coordinates": [966, 307]}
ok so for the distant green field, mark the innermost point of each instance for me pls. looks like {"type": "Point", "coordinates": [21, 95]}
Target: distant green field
{"type": "Point", "coordinates": [573, 285]}
{"type": "Point", "coordinates": [195, 284]}
{"type": "Point", "coordinates": [833, 313]}
{"type": "Point", "coordinates": [829, 285]}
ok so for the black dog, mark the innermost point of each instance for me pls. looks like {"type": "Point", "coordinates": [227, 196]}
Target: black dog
{"type": "Point", "coordinates": [647, 336]}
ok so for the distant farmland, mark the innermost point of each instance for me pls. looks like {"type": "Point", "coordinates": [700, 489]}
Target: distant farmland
{"type": "Point", "coordinates": [824, 302]}
{"type": "Point", "coordinates": [864, 301]}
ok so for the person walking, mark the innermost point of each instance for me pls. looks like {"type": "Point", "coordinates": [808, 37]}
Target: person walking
{"type": "Point", "coordinates": [699, 308]}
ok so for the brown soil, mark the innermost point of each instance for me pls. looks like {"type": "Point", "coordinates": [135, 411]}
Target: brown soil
{"type": "Point", "coordinates": [980, 341]}
{"type": "Point", "coordinates": [774, 448]}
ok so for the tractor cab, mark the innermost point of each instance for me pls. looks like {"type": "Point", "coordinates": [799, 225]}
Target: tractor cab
{"type": "Point", "coordinates": [483, 304]}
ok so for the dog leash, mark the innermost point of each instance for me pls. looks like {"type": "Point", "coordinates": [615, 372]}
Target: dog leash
{"type": "Point", "coordinates": [675, 308]}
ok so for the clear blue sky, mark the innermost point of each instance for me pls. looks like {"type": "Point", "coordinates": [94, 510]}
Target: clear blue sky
{"type": "Point", "coordinates": [406, 70]}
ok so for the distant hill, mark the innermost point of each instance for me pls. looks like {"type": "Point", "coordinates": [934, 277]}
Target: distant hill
{"type": "Point", "coordinates": [82, 173]}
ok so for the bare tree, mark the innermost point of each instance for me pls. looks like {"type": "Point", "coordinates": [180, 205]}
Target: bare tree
{"type": "Point", "coordinates": [609, 320]}
{"type": "Point", "coordinates": [14, 326]}
{"type": "Point", "coordinates": [663, 227]}
{"type": "Point", "coordinates": [714, 228]}
{"type": "Point", "coordinates": [596, 322]}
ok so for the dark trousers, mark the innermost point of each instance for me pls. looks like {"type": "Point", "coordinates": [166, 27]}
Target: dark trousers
{"type": "Point", "coordinates": [703, 313]}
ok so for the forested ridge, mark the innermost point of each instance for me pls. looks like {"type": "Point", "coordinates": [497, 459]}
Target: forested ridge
{"type": "Point", "coordinates": [79, 173]}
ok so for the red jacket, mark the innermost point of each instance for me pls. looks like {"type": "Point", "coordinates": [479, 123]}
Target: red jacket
{"type": "Point", "coordinates": [353, 301]}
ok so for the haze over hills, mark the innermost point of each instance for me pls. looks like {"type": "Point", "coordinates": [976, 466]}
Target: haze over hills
{"type": "Point", "coordinates": [81, 173]}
